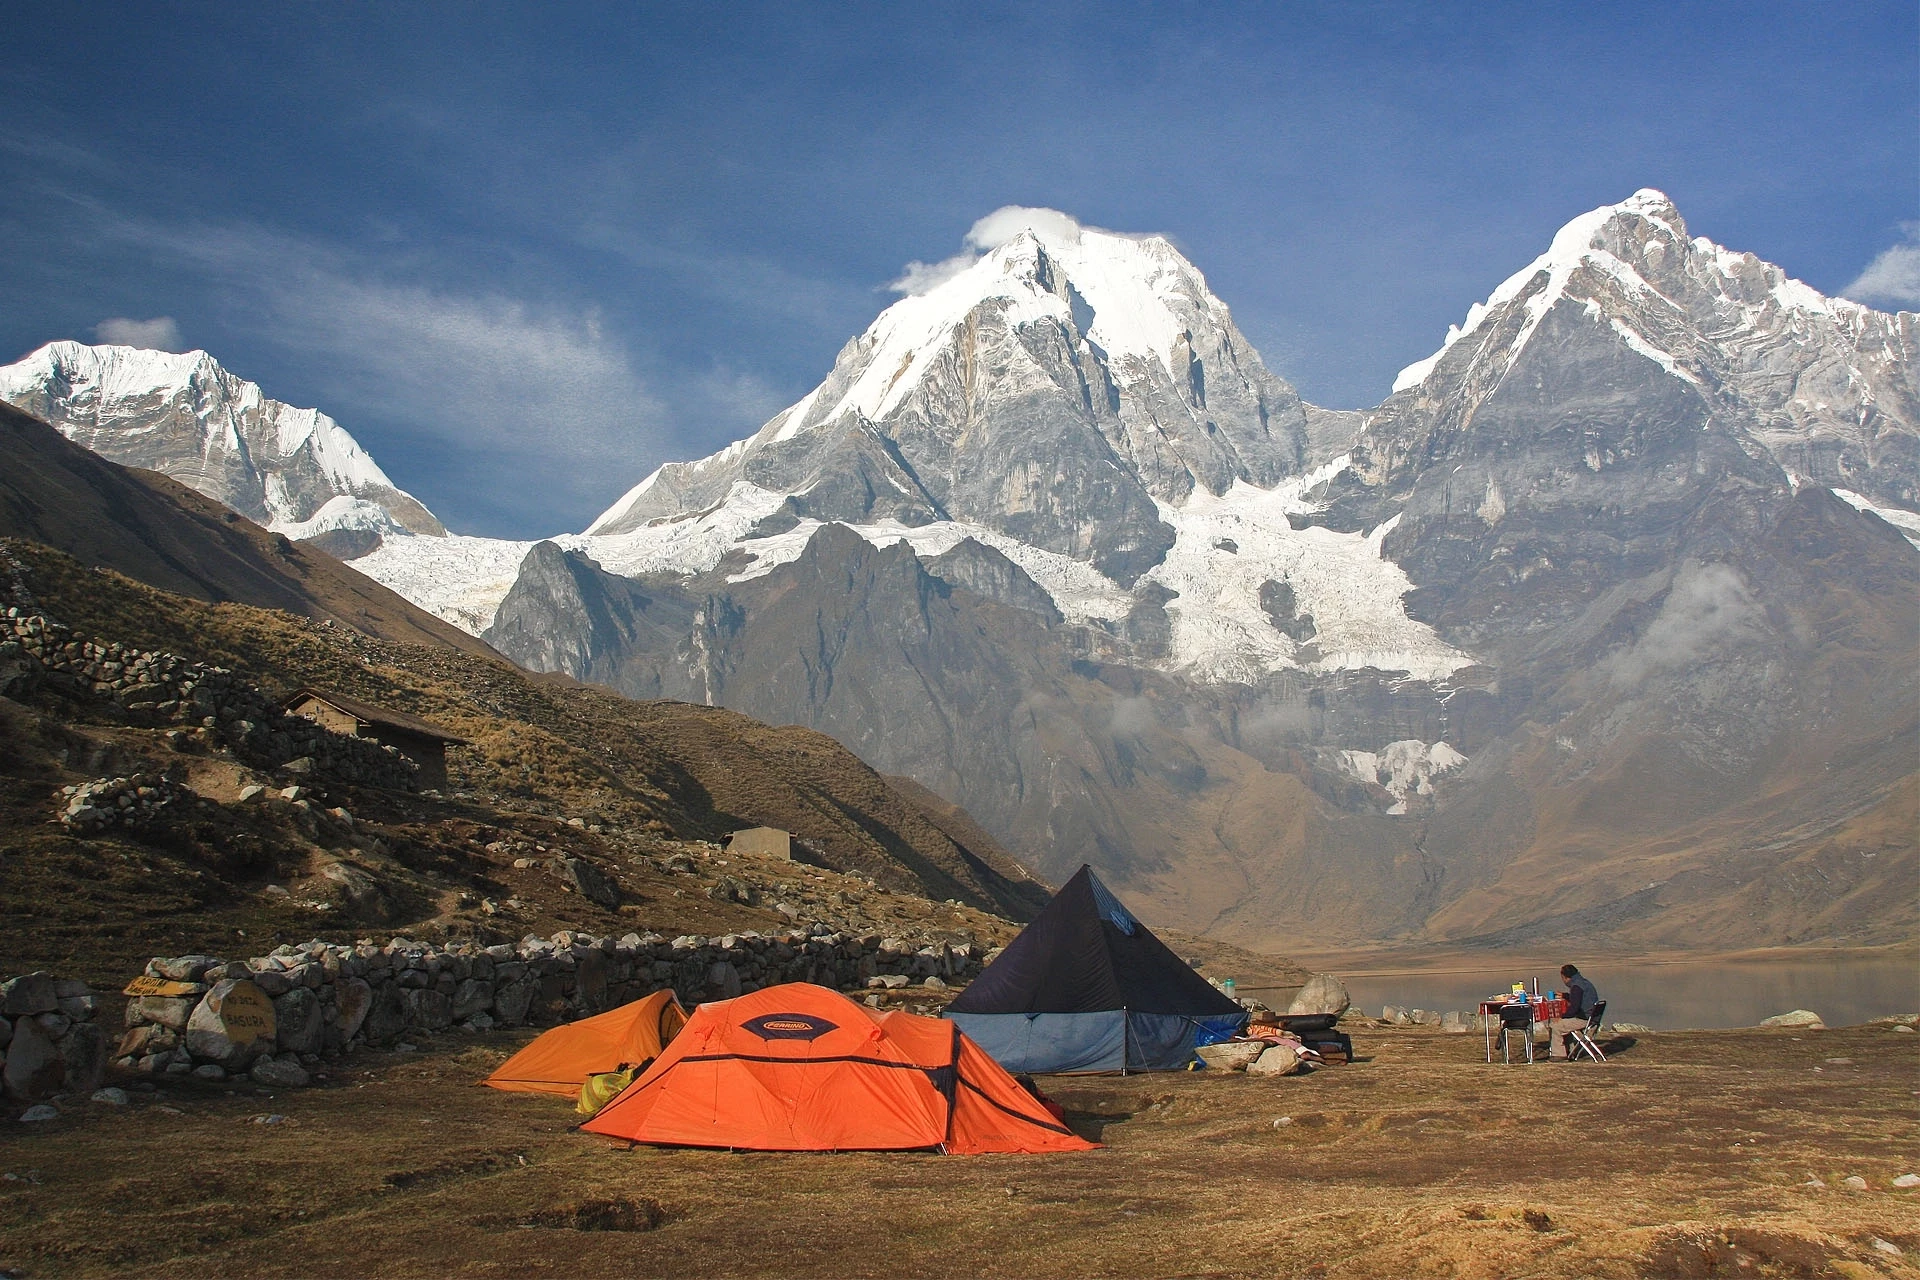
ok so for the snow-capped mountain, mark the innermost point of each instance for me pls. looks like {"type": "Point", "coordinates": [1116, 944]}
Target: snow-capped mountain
{"type": "Point", "coordinates": [1076, 399]}
{"type": "Point", "coordinates": [1601, 622]}
{"type": "Point", "coordinates": [297, 471]}
{"type": "Point", "coordinates": [1050, 539]}
{"type": "Point", "coordinates": [1827, 389]}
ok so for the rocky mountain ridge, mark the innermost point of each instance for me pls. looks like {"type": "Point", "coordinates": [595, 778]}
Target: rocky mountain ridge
{"type": "Point", "coordinates": [1598, 627]}
{"type": "Point", "coordinates": [296, 471]}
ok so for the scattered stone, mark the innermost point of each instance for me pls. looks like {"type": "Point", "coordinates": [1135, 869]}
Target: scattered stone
{"type": "Point", "coordinates": [935, 983]}
{"type": "Point", "coordinates": [1806, 1018]}
{"type": "Point", "coordinates": [210, 1071]}
{"type": "Point", "coordinates": [1455, 1022]}
{"type": "Point", "coordinates": [1907, 1180]}
{"type": "Point", "coordinates": [1323, 993]}
{"type": "Point", "coordinates": [250, 791]}
{"type": "Point", "coordinates": [1901, 1026]}
{"type": "Point", "coordinates": [279, 1073]}
{"type": "Point", "coordinates": [37, 1112]}
{"type": "Point", "coordinates": [1855, 1181]}
{"type": "Point", "coordinates": [593, 884]}
{"type": "Point", "coordinates": [1277, 1060]}
{"type": "Point", "coordinates": [266, 1117]}
{"type": "Point", "coordinates": [1887, 1247]}
{"type": "Point", "coordinates": [1629, 1029]}
{"type": "Point", "coordinates": [1815, 1183]}
{"type": "Point", "coordinates": [112, 1097]}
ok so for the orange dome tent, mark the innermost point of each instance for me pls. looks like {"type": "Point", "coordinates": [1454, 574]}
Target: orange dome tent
{"type": "Point", "coordinates": [801, 1068]}
{"type": "Point", "coordinates": [561, 1060]}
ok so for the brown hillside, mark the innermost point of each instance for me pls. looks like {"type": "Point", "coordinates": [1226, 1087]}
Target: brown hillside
{"type": "Point", "coordinates": [160, 532]}
{"type": "Point", "coordinates": [649, 784]}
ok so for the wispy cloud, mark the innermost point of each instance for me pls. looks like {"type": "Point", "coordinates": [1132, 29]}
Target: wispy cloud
{"type": "Point", "coordinates": [526, 408]}
{"type": "Point", "coordinates": [1708, 609]}
{"type": "Point", "coordinates": [1894, 274]}
{"type": "Point", "coordinates": [158, 334]}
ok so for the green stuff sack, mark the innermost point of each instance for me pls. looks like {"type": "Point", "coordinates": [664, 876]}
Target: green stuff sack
{"type": "Point", "coordinates": [603, 1088]}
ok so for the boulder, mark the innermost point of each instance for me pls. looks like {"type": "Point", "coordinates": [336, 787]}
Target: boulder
{"type": "Point", "coordinates": [165, 1011]}
{"type": "Point", "coordinates": [83, 1052]}
{"type": "Point", "coordinates": [280, 1073]}
{"type": "Point", "coordinates": [34, 1068]}
{"type": "Point", "coordinates": [388, 1016]}
{"type": "Point", "coordinates": [471, 997]}
{"type": "Point", "coordinates": [590, 981]}
{"type": "Point", "coordinates": [299, 1021]}
{"type": "Point", "coordinates": [593, 884]}
{"type": "Point", "coordinates": [1455, 1022]}
{"type": "Point", "coordinates": [429, 1010]}
{"type": "Point", "coordinates": [354, 997]}
{"type": "Point", "coordinates": [232, 1025]}
{"type": "Point", "coordinates": [6, 1032]}
{"type": "Point", "coordinates": [1276, 1060]}
{"type": "Point", "coordinates": [723, 980]}
{"type": "Point", "coordinates": [1232, 1055]}
{"type": "Point", "coordinates": [511, 1002]}
{"type": "Point", "coordinates": [1806, 1018]}
{"type": "Point", "coordinates": [1323, 993]}
{"type": "Point", "coordinates": [29, 994]}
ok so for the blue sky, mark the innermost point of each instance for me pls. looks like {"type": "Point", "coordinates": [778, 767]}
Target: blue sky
{"type": "Point", "coordinates": [526, 254]}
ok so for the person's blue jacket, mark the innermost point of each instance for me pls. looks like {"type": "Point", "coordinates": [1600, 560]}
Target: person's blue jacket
{"type": "Point", "coordinates": [1581, 997]}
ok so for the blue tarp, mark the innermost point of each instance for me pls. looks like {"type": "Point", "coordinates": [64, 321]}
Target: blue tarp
{"type": "Point", "coordinates": [1109, 1040]}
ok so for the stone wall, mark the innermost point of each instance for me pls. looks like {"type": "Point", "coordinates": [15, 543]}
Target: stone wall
{"type": "Point", "coordinates": [275, 1017]}
{"type": "Point", "coordinates": [49, 1042]}
{"type": "Point", "coordinates": [161, 689]}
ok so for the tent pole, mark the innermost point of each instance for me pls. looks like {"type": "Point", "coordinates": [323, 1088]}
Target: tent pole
{"type": "Point", "coordinates": [1126, 1043]}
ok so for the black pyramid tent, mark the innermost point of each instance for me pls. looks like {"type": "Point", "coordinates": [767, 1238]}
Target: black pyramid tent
{"type": "Point", "coordinates": [1087, 987]}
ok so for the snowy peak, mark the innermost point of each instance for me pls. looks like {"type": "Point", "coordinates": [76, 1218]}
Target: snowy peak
{"type": "Point", "coordinates": [1825, 386]}
{"type": "Point", "coordinates": [295, 470]}
{"type": "Point", "coordinates": [1052, 380]}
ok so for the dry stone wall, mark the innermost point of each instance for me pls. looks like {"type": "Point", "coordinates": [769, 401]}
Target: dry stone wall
{"type": "Point", "coordinates": [49, 1043]}
{"type": "Point", "coordinates": [274, 1017]}
{"type": "Point", "coordinates": [159, 689]}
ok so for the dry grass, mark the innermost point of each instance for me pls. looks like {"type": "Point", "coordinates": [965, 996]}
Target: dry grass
{"type": "Point", "coordinates": [1684, 1156]}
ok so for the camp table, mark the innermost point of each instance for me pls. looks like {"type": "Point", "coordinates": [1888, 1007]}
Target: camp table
{"type": "Point", "coordinates": [1542, 1010]}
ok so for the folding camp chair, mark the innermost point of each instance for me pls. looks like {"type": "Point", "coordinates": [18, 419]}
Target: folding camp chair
{"type": "Point", "coordinates": [1516, 1020]}
{"type": "Point", "coordinates": [1583, 1041]}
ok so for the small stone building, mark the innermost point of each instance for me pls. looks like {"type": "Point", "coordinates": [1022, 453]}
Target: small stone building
{"type": "Point", "coordinates": [766, 841]}
{"type": "Point", "coordinates": [419, 741]}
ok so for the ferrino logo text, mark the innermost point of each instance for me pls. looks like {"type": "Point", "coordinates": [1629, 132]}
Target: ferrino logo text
{"type": "Point", "coordinates": [788, 1026]}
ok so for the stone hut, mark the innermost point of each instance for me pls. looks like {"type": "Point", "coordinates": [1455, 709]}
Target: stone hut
{"type": "Point", "coordinates": [766, 841]}
{"type": "Point", "coordinates": [422, 742]}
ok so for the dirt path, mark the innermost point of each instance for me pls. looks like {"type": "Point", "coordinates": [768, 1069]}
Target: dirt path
{"type": "Point", "coordinates": [1686, 1156]}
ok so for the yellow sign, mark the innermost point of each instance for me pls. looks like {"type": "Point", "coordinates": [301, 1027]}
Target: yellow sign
{"type": "Point", "coordinates": [146, 986]}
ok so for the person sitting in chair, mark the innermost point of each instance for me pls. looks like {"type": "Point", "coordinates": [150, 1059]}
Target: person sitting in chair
{"type": "Point", "coordinates": [1581, 997]}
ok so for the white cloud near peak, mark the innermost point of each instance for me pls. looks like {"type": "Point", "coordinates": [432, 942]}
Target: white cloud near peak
{"type": "Point", "coordinates": [158, 334]}
{"type": "Point", "coordinates": [1050, 225]}
{"type": "Point", "coordinates": [1894, 274]}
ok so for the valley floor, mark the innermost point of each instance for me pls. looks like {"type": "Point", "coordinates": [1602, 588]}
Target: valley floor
{"type": "Point", "coordinates": [1687, 1154]}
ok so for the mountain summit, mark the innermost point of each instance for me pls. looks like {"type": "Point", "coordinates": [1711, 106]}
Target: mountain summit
{"type": "Point", "coordinates": [1052, 390]}
{"type": "Point", "coordinates": [296, 471]}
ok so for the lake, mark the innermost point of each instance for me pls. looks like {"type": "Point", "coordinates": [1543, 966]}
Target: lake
{"type": "Point", "coordinates": [1665, 995]}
